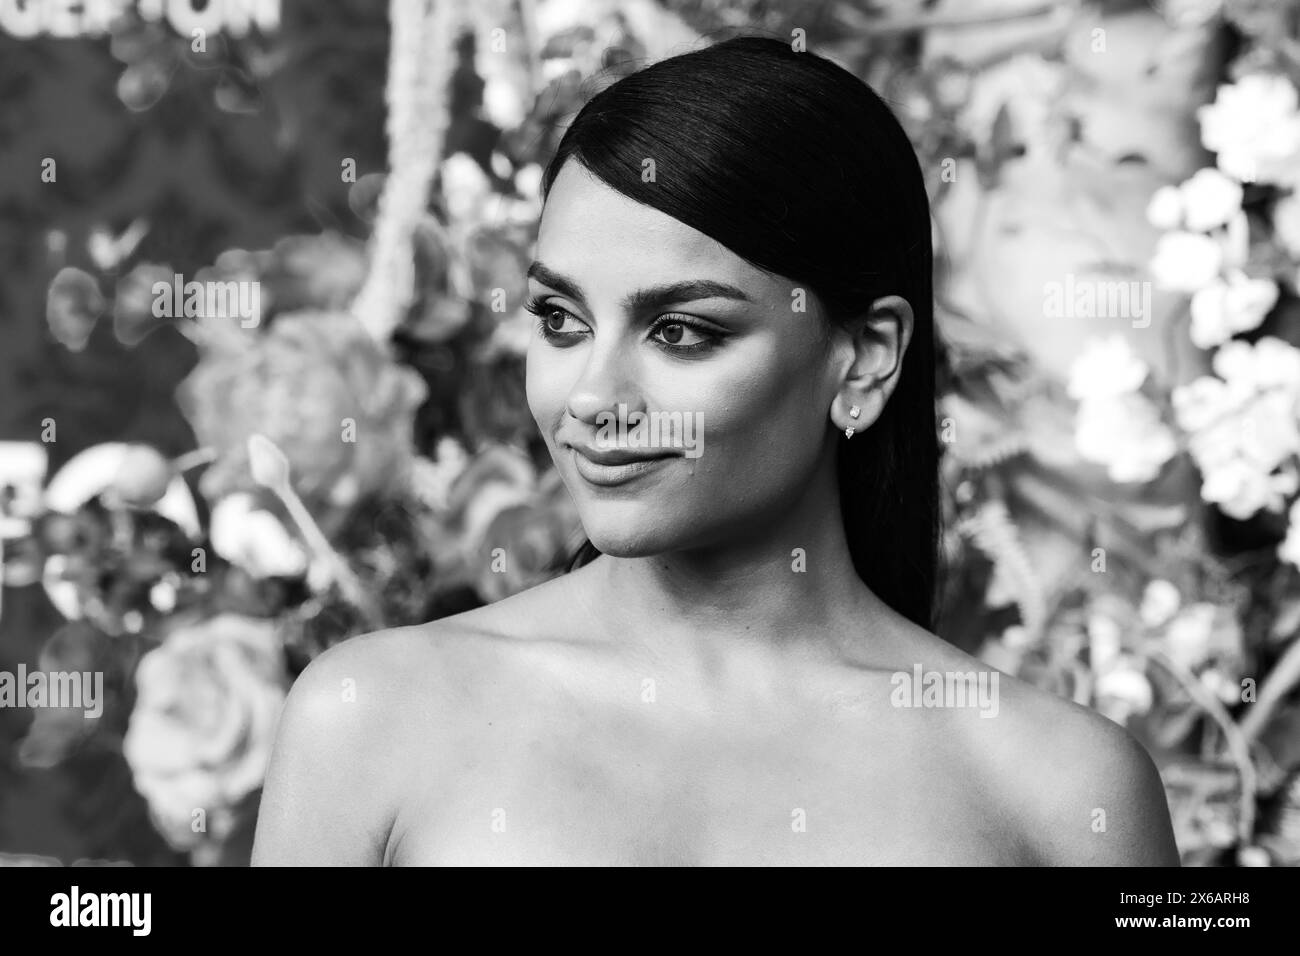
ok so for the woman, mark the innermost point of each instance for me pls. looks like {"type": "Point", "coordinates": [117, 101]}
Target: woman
{"type": "Point", "coordinates": [738, 669]}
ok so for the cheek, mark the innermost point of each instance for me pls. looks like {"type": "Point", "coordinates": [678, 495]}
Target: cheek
{"type": "Point", "coordinates": [544, 389]}
{"type": "Point", "coordinates": [765, 416]}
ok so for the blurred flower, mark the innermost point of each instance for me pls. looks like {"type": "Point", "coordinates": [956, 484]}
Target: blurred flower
{"type": "Point", "coordinates": [1124, 433]}
{"type": "Point", "coordinates": [1286, 223]}
{"type": "Point", "coordinates": [1227, 690]}
{"type": "Point", "coordinates": [364, 195]}
{"type": "Point", "coordinates": [1253, 856]}
{"type": "Point", "coordinates": [133, 316]}
{"type": "Point", "coordinates": [1123, 690]}
{"type": "Point", "coordinates": [1104, 641]}
{"type": "Point", "coordinates": [143, 84]}
{"type": "Point", "coordinates": [1267, 363]}
{"type": "Point", "coordinates": [528, 539]}
{"type": "Point", "coordinates": [503, 103]}
{"type": "Point", "coordinates": [1209, 199]}
{"type": "Point", "coordinates": [143, 476]}
{"type": "Point", "coordinates": [1289, 549]}
{"type": "Point", "coordinates": [163, 595]}
{"type": "Point", "coordinates": [1188, 13]}
{"type": "Point", "coordinates": [208, 703]}
{"type": "Point", "coordinates": [528, 182]}
{"type": "Point", "coordinates": [1254, 127]}
{"type": "Point", "coordinates": [1185, 261]}
{"type": "Point", "coordinates": [1107, 368]}
{"type": "Point", "coordinates": [107, 250]}
{"type": "Point", "coordinates": [1188, 636]}
{"type": "Point", "coordinates": [509, 524]}
{"type": "Point", "coordinates": [73, 305]}
{"type": "Point", "coordinates": [465, 187]}
{"type": "Point", "coordinates": [1165, 210]}
{"type": "Point", "coordinates": [432, 479]}
{"type": "Point", "coordinates": [23, 465]}
{"type": "Point", "coordinates": [1222, 309]}
{"type": "Point", "coordinates": [1241, 491]}
{"type": "Point", "coordinates": [254, 539]}
{"type": "Point", "coordinates": [1245, 426]}
{"type": "Point", "coordinates": [317, 386]}
{"type": "Point", "coordinates": [1160, 601]}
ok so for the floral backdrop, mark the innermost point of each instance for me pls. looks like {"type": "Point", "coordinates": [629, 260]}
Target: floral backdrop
{"type": "Point", "coordinates": [197, 507]}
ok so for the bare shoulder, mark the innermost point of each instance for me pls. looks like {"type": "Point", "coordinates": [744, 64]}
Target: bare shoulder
{"type": "Point", "coordinates": [1087, 790]}
{"type": "Point", "coordinates": [366, 721]}
{"type": "Point", "coordinates": [1078, 787]}
{"type": "Point", "coordinates": [328, 795]}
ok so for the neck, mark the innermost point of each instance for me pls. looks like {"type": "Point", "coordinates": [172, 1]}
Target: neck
{"type": "Point", "coordinates": [785, 593]}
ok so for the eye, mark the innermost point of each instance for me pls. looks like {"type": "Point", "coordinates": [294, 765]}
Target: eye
{"type": "Point", "coordinates": [677, 334]}
{"type": "Point", "coordinates": [551, 320]}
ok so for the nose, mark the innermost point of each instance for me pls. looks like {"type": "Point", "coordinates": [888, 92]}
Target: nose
{"type": "Point", "coordinates": [608, 380]}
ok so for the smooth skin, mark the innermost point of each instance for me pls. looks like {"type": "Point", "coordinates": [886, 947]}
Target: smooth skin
{"type": "Point", "coordinates": [689, 698]}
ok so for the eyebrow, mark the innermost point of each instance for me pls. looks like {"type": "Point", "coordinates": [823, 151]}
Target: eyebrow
{"type": "Point", "coordinates": [642, 299]}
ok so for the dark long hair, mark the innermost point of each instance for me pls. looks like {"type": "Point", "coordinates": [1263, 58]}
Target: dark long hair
{"type": "Point", "coordinates": [798, 167]}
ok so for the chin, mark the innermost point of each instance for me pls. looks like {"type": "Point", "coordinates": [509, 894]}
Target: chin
{"type": "Point", "coordinates": [628, 536]}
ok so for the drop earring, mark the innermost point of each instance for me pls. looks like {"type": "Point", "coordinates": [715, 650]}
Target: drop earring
{"type": "Point", "coordinates": [854, 412]}
{"type": "Point", "coordinates": [848, 432]}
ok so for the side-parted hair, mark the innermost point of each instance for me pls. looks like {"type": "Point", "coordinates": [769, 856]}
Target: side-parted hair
{"type": "Point", "coordinates": [798, 167]}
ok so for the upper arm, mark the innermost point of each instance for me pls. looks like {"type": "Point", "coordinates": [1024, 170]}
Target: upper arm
{"type": "Point", "coordinates": [1103, 797]}
{"type": "Point", "coordinates": [327, 795]}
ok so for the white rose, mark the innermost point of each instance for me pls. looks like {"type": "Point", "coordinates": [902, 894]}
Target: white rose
{"type": "Point", "coordinates": [1286, 223]}
{"type": "Point", "coordinates": [1240, 490]}
{"type": "Point", "coordinates": [1188, 637]}
{"type": "Point", "coordinates": [1289, 549]}
{"type": "Point", "coordinates": [1276, 364]}
{"type": "Point", "coordinates": [1123, 690]}
{"type": "Point", "coordinates": [1107, 367]}
{"type": "Point", "coordinates": [464, 186]}
{"type": "Point", "coordinates": [502, 103]}
{"type": "Point", "coordinates": [1222, 309]}
{"type": "Point", "coordinates": [208, 703]}
{"type": "Point", "coordinates": [1186, 261]}
{"type": "Point", "coordinates": [1160, 601]}
{"type": "Point", "coordinates": [1104, 641]}
{"type": "Point", "coordinates": [1209, 199]}
{"type": "Point", "coordinates": [1200, 403]}
{"type": "Point", "coordinates": [1165, 210]}
{"type": "Point", "coordinates": [253, 539]}
{"type": "Point", "coordinates": [1270, 430]}
{"type": "Point", "coordinates": [1254, 128]}
{"type": "Point", "coordinates": [1125, 434]}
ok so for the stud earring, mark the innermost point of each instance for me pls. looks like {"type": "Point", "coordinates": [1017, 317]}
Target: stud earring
{"type": "Point", "coordinates": [848, 432]}
{"type": "Point", "coordinates": [854, 412]}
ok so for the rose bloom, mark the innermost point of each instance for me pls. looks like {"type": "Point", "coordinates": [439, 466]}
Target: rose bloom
{"type": "Point", "coordinates": [1289, 549]}
{"type": "Point", "coordinates": [1210, 199]}
{"type": "Point", "coordinates": [1254, 127]}
{"type": "Point", "coordinates": [297, 383]}
{"type": "Point", "coordinates": [1186, 261]}
{"type": "Point", "coordinates": [199, 738]}
{"type": "Point", "coordinates": [1286, 223]}
{"type": "Point", "coordinates": [1108, 367]}
{"type": "Point", "coordinates": [1126, 435]}
{"type": "Point", "coordinates": [1222, 309]}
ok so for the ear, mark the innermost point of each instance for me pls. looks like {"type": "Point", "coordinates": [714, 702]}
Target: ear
{"type": "Point", "coordinates": [879, 340]}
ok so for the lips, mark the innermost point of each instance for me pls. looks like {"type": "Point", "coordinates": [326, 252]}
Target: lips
{"type": "Point", "coordinates": [618, 456]}
{"type": "Point", "coordinates": [607, 467]}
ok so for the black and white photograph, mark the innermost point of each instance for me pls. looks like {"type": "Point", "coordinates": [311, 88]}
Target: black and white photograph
{"type": "Point", "coordinates": [651, 433]}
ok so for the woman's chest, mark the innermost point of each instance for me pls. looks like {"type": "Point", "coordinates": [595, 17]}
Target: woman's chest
{"type": "Point", "coordinates": [619, 800]}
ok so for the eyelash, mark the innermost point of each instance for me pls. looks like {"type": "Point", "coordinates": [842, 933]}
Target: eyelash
{"type": "Point", "coordinates": [543, 310]}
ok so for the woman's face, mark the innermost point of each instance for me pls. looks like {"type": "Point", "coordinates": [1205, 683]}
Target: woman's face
{"type": "Point", "coordinates": [752, 376]}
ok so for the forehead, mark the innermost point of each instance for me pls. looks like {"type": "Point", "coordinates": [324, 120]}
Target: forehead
{"type": "Point", "coordinates": [589, 229]}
